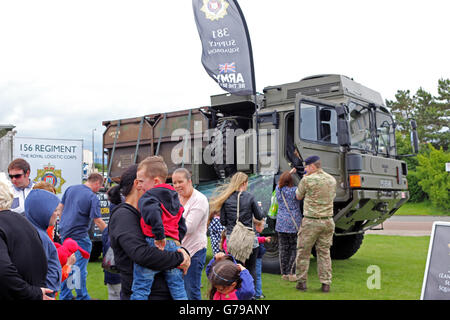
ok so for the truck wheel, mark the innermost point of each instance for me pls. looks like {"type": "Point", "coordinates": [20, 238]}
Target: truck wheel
{"type": "Point", "coordinates": [345, 246]}
{"type": "Point", "coordinates": [271, 260]}
{"type": "Point", "coordinates": [222, 168]}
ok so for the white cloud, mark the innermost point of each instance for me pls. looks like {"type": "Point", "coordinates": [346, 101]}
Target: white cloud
{"type": "Point", "coordinates": [66, 66]}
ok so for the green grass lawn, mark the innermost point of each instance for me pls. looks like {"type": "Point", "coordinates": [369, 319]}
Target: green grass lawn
{"type": "Point", "coordinates": [401, 261]}
{"type": "Point", "coordinates": [424, 208]}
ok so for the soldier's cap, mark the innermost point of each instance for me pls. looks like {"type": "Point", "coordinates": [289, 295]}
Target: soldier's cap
{"type": "Point", "coordinates": [311, 159]}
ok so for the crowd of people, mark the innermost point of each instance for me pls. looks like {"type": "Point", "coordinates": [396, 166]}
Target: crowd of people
{"type": "Point", "coordinates": [158, 234]}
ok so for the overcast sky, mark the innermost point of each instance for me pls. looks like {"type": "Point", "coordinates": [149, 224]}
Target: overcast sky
{"type": "Point", "coordinates": [66, 66]}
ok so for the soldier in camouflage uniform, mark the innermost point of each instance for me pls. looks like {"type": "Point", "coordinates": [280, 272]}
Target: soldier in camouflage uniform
{"type": "Point", "coordinates": [318, 189]}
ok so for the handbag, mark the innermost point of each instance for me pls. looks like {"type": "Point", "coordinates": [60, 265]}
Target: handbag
{"type": "Point", "coordinates": [108, 262]}
{"type": "Point", "coordinates": [273, 210]}
{"type": "Point", "coordinates": [289, 210]}
{"type": "Point", "coordinates": [241, 239]}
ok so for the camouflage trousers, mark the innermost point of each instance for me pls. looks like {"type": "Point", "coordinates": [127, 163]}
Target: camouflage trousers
{"type": "Point", "coordinates": [320, 233]}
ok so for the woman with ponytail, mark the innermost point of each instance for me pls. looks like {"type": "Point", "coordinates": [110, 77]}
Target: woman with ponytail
{"type": "Point", "coordinates": [226, 201]}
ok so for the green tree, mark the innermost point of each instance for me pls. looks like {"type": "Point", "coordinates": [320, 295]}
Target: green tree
{"type": "Point", "coordinates": [433, 178]}
{"type": "Point", "coordinates": [431, 113]}
{"type": "Point", "coordinates": [443, 105]}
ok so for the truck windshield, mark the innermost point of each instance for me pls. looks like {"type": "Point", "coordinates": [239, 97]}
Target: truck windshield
{"type": "Point", "coordinates": [360, 119]}
{"type": "Point", "coordinates": [385, 131]}
{"type": "Point", "coordinates": [380, 142]}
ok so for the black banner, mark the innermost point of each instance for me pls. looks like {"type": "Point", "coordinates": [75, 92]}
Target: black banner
{"type": "Point", "coordinates": [227, 53]}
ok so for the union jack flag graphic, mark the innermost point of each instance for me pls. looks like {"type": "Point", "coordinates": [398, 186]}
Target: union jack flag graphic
{"type": "Point", "coordinates": [227, 68]}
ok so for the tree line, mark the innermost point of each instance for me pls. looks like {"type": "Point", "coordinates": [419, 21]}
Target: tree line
{"type": "Point", "coordinates": [427, 177]}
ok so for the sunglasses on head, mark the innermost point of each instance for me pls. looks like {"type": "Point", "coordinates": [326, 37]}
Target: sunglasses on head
{"type": "Point", "coordinates": [17, 176]}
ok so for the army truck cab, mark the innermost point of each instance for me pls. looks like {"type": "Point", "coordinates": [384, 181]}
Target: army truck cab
{"type": "Point", "coordinates": [349, 127]}
{"type": "Point", "coordinates": [343, 122]}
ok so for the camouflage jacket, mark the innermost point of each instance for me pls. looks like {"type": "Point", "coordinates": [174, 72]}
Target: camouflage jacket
{"type": "Point", "coordinates": [318, 191]}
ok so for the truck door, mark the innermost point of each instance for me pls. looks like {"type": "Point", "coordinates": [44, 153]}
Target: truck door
{"type": "Point", "coordinates": [316, 134]}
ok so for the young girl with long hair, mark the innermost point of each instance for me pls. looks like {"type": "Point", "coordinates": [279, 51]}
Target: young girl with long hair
{"type": "Point", "coordinates": [229, 281]}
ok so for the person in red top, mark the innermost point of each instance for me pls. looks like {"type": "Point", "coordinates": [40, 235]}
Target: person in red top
{"type": "Point", "coordinates": [163, 225]}
{"type": "Point", "coordinates": [66, 255]}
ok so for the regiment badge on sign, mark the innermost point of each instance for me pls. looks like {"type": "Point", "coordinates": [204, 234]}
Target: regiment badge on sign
{"type": "Point", "coordinates": [51, 175]}
{"type": "Point", "coordinates": [215, 9]}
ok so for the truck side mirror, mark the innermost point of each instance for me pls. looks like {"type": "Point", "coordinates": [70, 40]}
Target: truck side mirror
{"type": "Point", "coordinates": [343, 128]}
{"type": "Point", "coordinates": [414, 137]}
{"type": "Point", "coordinates": [343, 132]}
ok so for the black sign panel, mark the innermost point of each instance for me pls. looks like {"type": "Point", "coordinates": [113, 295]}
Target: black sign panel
{"type": "Point", "coordinates": [227, 52]}
{"type": "Point", "coordinates": [436, 282]}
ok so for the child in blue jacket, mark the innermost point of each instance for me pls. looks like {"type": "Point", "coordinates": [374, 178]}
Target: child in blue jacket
{"type": "Point", "coordinates": [40, 210]}
{"type": "Point", "coordinates": [229, 280]}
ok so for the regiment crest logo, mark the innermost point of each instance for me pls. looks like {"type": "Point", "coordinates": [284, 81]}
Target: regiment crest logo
{"type": "Point", "coordinates": [215, 9]}
{"type": "Point", "coordinates": [51, 175]}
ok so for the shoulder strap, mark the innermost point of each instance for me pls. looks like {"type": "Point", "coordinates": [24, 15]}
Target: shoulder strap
{"type": "Point", "coordinates": [237, 208]}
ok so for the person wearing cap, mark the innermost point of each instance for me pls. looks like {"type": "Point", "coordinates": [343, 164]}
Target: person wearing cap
{"type": "Point", "coordinates": [318, 189]}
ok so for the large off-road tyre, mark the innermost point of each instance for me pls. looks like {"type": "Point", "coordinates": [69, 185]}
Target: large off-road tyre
{"type": "Point", "coordinates": [223, 168]}
{"type": "Point", "coordinates": [271, 259]}
{"type": "Point", "coordinates": [345, 246]}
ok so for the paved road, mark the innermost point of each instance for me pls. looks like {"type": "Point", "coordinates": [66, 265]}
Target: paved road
{"type": "Point", "coordinates": [408, 225]}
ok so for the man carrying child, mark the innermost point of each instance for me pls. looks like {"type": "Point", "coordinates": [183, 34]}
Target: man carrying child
{"type": "Point", "coordinates": [163, 225]}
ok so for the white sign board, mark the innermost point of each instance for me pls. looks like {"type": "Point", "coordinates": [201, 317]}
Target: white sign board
{"type": "Point", "coordinates": [56, 161]}
{"type": "Point", "coordinates": [436, 281]}
{"type": "Point", "coordinates": [447, 166]}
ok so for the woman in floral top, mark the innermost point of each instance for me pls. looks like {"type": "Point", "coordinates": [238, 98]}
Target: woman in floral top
{"type": "Point", "coordinates": [288, 224]}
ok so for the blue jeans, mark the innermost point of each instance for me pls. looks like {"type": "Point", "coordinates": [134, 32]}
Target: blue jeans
{"type": "Point", "coordinates": [193, 278]}
{"type": "Point", "coordinates": [258, 285]}
{"type": "Point", "coordinates": [143, 277]}
{"type": "Point", "coordinates": [78, 275]}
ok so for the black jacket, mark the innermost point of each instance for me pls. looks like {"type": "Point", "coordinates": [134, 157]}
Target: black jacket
{"type": "Point", "coordinates": [162, 213]}
{"type": "Point", "coordinates": [248, 208]}
{"type": "Point", "coordinates": [23, 263]}
{"type": "Point", "coordinates": [129, 246]}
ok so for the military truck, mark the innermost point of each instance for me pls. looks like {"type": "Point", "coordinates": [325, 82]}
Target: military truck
{"type": "Point", "coordinates": [332, 116]}
{"type": "Point", "coordinates": [6, 146]}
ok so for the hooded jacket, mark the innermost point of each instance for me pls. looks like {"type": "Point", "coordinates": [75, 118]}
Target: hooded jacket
{"type": "Point", "coordinates": [162, 213]}
{"type": "Point", "coordinates": [39, 208]}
